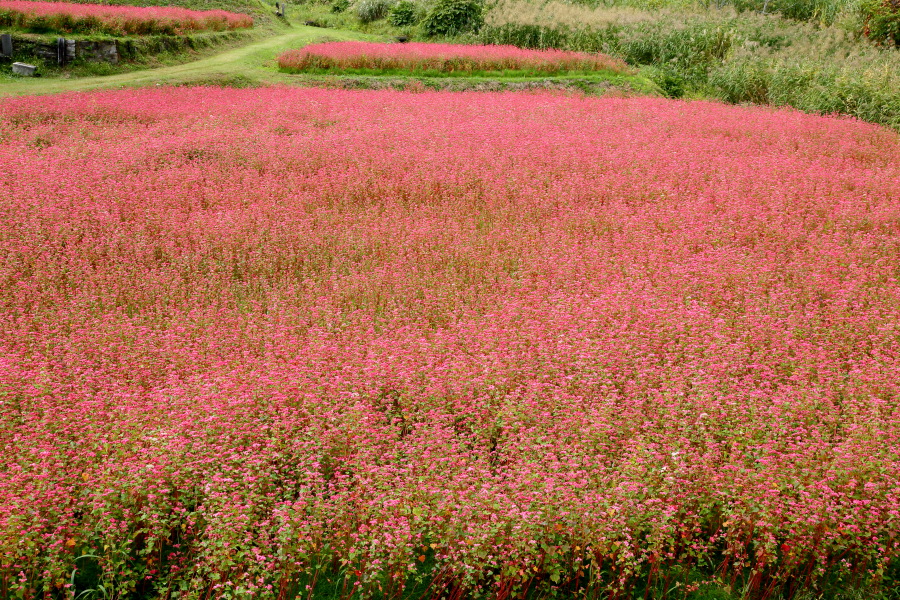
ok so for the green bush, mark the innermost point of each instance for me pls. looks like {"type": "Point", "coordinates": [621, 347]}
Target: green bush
{"type": "Point", "coordinates": [882, 21]}
{"type": "Point", "coordinates": [372, 10]}
{"type": "Point", "coordinates": [339, 6]}
{"type": "Point", "coordinates": [669, 80]}
{"type": "Point", "coordinates": [451, 17]}
{"type": "Point", "coordinates": [404, 13]}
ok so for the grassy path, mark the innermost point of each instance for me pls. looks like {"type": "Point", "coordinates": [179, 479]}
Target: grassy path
{"type": "Point", "coordinates": [253, 63]}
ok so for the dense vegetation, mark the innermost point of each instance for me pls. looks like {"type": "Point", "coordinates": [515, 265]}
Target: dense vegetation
{"type": "Point", "coordinates": [445, 345]}
{"type": "Point", "coordinates": [738, 57]}
{"type": "Point", "coordinates": [260, 10]}
{"type": "Point", "coordinates": [445, 59]}
{"type": "Point", "coordinates": [835, 56]}
{"type": "Point", "coordinates": [67, 17]}
{"type": "Point", "coordinates": [285, 344]}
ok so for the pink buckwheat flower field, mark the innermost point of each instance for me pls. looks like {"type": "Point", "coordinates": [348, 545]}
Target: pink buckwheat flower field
{"type": "Point", "coordinates": [255, 343]}
{"type": "Point", "coordinates": [116, 20]}
{"type": "Point", "coordinates": [443, 58]}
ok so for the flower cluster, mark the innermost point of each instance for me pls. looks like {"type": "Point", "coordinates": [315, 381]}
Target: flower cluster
{"type": "Point", "coordinates": [67, 17]}
{"type": "Point", "coordinates": [258, 340]}
{"type": "Point", "coordinates": [443, 58]}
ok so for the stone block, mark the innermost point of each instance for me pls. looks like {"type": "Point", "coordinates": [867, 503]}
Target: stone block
{"type": "Point", "coordinates": [23, 69]}
{"type": "Point", "coordinates": [5, 45]}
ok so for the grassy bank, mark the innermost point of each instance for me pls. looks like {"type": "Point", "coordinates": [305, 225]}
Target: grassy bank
{"type": "Point", "coordinates": [505, 74]}
{"type": "Point", "coordinates": [240, 66]}
{"type": "Point", "coordinates": [737, 57]}
{"type": "Point", "coordinates": [142, 52]}
{"type": "Point", "coordinates": [135, 53]}
{"type": "Point", "coordinates": [595, 85]}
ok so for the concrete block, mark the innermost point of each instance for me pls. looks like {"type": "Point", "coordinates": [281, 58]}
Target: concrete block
{"type": "Point", "coordinates": [61, 54]}
{"type": "Point", "coordinates": [5, 45]}
{"type": "Point", "coordinates": [23, 69]}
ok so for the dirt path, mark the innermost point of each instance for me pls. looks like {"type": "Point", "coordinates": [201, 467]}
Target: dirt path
{"type": "Point", "coordinates": [254, 62]}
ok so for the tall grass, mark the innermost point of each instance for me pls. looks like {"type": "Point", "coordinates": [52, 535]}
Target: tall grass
{"type": "Point", "coordinates": [737, 57]}
{"type": "Point", "coordinates": [822, 12]}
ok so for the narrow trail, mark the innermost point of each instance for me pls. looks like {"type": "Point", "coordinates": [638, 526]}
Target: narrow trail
{"type": "Point", "coordinates": [254, 61]}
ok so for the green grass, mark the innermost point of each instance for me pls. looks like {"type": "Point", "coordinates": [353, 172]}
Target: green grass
{"type": "Point", "coordinates": [251, 63]}
{"type": "Point", "coordinates": [137, 52]}
{"type": "Point", "coordinates": [614, 84]}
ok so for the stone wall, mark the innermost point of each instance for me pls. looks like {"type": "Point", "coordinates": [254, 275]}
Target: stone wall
{"type": "Point", "coordinates": [54, 52]}
{"type": "Point", "coordinates": [28, 47]}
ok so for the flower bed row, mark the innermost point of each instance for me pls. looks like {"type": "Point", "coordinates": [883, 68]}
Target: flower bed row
{"type": "Point", "coordinates": [65, 17]}
{"type": "Point", "coordinates": [443, 58]}
{"type": "Point", "coordinates": [490, 341]}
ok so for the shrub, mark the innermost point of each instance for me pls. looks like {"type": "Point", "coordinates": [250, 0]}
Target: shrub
{"type": "Point", "coordinates": [882, 20]}
{"type": "Point", "coordinates": [339, 6]}
{"type": "Point", "coordinates": [451, 17]}
{"type": "Point", "coordinates": [404, 13]}
{"type": "Point", "coordinates": [669, 80]}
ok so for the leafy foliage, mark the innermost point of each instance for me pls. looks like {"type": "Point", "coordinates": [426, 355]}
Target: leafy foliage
{"type": "Point", "coordinates": [404, 13]}
{"type": "Point", "coordinates": [452, 17]}
{"type": "Point", "coordinates": [882, 20]}
{"type": "Point", "coordinates": [339, 6]}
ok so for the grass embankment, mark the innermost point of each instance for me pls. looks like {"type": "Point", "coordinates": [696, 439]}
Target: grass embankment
{"type": "Point", "coordinates": [435, 66]}
{"type": "Point", "coordinates": [159, 47]}
{"type": "Point", "coordinates": [135, 52]}
{"type": "Point", "coordinates": [245, 65]}
{"type": "Point", "coordinates": [611, 85]}
{"type": "Point", "coordinates": [595, 83]}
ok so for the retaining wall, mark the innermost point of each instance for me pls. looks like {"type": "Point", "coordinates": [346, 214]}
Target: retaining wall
{"type": "Point", "coordinates": [64, 51]}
